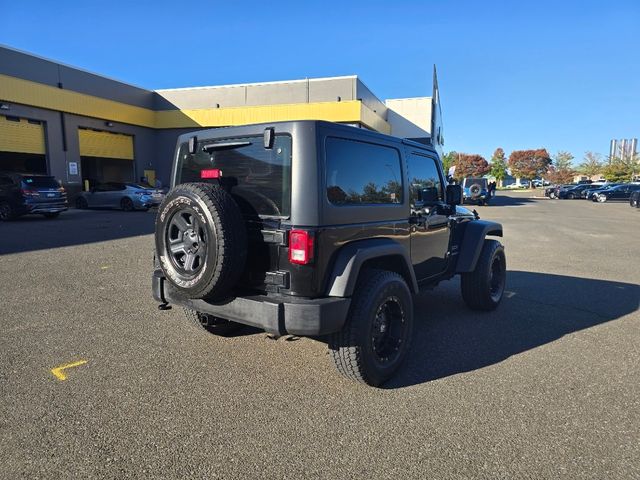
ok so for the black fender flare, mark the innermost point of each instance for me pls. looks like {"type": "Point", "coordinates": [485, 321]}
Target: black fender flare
{"type": "Point", "coordinates": [472, 242]}
{"type": "Point", "coordinates": [351, 257]}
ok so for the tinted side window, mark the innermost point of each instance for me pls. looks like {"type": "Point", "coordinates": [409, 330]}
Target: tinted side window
{"type": "Point", "coordinates": [424, 179]}
{"type": "Point", "coordinates": [362, 173]}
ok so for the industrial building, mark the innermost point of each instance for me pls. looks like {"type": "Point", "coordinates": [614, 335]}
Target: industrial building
{"type": "Point", "coordinates": [82, 127]}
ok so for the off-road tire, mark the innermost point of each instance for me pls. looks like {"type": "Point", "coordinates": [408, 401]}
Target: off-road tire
{"type": "Point", "coordinates": [215, 325]}
{"type": "Point", "coordinates": [352, 348]}
{"type": "Point", "coordinates": [478, 291]}
{"type": "Point", "coordinates": [220, 230]}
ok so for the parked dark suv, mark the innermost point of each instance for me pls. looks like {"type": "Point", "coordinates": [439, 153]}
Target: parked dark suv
{"type": "Point", "coordinates": [21, 194]}
{"type": "Point", "coordinates": [318, 229]}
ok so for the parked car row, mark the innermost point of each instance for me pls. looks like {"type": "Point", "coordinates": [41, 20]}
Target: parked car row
{"type": "Point", "coordinates": [600, 192]}
{"type": "Point", "coordinates": [23, 194]}
{"type": "Point", "coordinates": [125, 196]}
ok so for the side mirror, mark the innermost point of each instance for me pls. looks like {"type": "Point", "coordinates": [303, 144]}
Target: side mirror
{"type": "Point", "coordinates": [454, 194]}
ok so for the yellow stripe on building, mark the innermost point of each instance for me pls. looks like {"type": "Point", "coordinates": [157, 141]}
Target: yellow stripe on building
{"type": "Point", "coordinates": [220, 117]}
{"type": "Point", "coordinates": [45, 96]}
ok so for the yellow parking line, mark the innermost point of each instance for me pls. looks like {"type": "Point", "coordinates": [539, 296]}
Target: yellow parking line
{"type": "Point", "coordinates": [58, 370]}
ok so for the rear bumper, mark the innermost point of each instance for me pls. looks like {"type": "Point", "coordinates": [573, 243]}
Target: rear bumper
{"type": "Point", "coordinates": [53, 207]}
{"type": "Point", "coordinates": [279, 315]}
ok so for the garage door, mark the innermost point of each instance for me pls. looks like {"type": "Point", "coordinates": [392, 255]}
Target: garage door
{"type": "Point", "coordinates": [22, 145]}
{"type": "Point", "coordinates": [105, 144]}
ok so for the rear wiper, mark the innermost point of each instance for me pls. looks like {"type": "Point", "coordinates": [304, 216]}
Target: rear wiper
{"type": "Point", "coordinates": [224, 146]}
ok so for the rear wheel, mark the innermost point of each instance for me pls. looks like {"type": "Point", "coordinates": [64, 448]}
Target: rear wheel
{"type": "Point", "coordinates": [6, 211]}
{"type": "Point", "coordinates": [126, 204]}
{"type": "Point", "coordinates": [482, 289]}
{"type": "Point", "coordinates": [376, 337]}
{"type": "Point", "coordinates": [81, 203]}
{"type": "Point", "coordinates": [571, 196]}
{"type": "Point", "coordinates": [211, 324]}
{"type": "Point", "coordinates": [602, 198]}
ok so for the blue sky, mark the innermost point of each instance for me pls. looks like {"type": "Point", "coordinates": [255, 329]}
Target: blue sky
{"type": "Point", "coordinates": [563, 75]}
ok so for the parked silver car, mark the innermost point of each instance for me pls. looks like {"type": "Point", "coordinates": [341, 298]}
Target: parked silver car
{"type": "Point", "coordinates": [125, 196]}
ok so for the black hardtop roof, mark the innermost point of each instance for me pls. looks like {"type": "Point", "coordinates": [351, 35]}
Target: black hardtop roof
{"type": "Point", "coordinates": [222, 132]}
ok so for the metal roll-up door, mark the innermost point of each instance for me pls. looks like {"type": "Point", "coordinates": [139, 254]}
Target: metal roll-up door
{"type": "Point", "coordinates": [21, 135]}
{"type": "Point", "coordinates": [105, 144]}
{"type": "Point", "coordinates": [22, 145]}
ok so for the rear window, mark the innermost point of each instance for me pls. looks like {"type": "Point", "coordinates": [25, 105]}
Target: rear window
{"type": "Point", "coordinates": [360, 173]}
{"type": "Point", "coordinates": [260, 177]}
{"type": "Point", "coordinates": [40, 182]}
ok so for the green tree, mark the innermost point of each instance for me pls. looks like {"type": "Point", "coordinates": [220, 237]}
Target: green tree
{"type": "Point", "coordinates": [448, 160]}
{"type": "Point", "coordinates": [562, 170]}
{"type": "Point", "coordinates": [620, 170]}
{"type": "Point", "coordinates": [591, 164]}
{"type": "Point", "coordinates": [498, 165]}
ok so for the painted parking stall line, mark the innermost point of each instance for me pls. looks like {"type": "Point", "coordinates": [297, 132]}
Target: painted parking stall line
{"type": "Point", "coordinates": [58, 372]}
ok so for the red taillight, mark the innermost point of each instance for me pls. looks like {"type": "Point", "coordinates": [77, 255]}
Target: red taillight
{"type": "Point", "coordinates": [29, 193]}
{"type": "Point", "coordinates": [211, 173]}
{"type": "Point", "coordinates": [300, 247]}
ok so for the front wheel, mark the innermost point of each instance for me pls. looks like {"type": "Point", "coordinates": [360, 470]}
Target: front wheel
{"type": "Point", "coordinates": [51, 215]}
{"type": "Point", "coordinates": [376, 337]}
{"type": "Point", "coordinates": [602, 198]}
{"type": "Point", "coordinates": [571, 196]}
{"type": "Point", "coordinates": [482, 288]}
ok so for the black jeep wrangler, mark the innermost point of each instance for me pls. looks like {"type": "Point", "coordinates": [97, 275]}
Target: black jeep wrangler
{"type": "Point", "coordinates": [318, 229]}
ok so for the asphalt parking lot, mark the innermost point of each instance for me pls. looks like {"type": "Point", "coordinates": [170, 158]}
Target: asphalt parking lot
{"type": "Point", "coordinates": [548, 386]}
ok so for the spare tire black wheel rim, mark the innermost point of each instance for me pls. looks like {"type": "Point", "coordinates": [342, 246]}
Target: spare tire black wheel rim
{"type": "Point", "coordinates": [389, 331]}
{"type": "Point", "coordinates": [187, 242]}
{"type": "Point", "coordinates": [496, 282]}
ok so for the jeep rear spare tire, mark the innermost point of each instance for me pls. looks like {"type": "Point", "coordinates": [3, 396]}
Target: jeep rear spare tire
{"type": "Point", "coordinates": [475, 190]}
{"type": "Point", "coordinates": [201, 240]}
